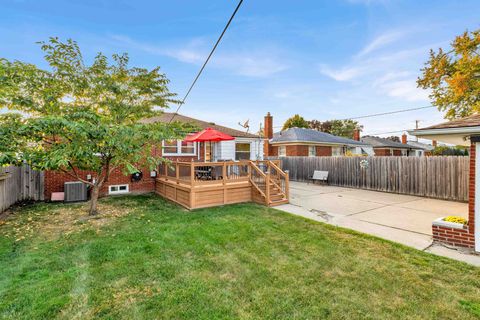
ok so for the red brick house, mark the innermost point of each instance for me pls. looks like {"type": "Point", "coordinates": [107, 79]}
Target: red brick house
{"type": "Point", "coordinates": [387, 147]}
{"type": "Point", "coordinates": [245, 146]}
{"type": "Point", "coordinates": [466, 132]}
{"type": "Point", "coordinates": [308, 142]}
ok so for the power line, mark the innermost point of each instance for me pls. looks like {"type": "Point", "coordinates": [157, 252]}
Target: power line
{"type": "Point", "coordinates": [382, 114]}
{"type": "Point", "coordinates": [379, 133]}
{"type": "Point", "coordinates": [206, 61]}
{"type": "Point", "coordinates": [387, 113]}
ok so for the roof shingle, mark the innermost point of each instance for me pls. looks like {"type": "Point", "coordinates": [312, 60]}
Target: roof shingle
{"type": "Point", "coordinates": [166, 116]}
{"type": "Point", "coordinates": [312, 136]}
{"type": "Point", "coordinates": [378, 142]}
{"type": "Point", "coordinates": [470, 121]}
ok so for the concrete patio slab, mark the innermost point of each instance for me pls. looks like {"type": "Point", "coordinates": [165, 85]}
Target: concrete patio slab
{"type": "Point", "coordinates": [401, 218]}
{"type": "Point", "coordinates": [378, 197]}
{"type": "Point", "coordinates": [441, 207]}
{"type": "Point", "coordinates": [334, 203]}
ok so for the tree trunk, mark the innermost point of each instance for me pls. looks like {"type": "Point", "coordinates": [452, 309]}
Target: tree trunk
{"type": "Point", "coordinates": [93, 200]}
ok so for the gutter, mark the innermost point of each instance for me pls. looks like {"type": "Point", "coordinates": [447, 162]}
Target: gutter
{"type": "Point", "coordinates": [460, 130]}
{"type": "Point", "coordinates": [317, 143]}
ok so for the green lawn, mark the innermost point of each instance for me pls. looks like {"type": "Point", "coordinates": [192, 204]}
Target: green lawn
{"type": "Point", "coordinates": [147, 258]}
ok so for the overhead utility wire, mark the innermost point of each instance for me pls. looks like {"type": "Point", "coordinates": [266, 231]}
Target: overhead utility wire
{"type": "Point", "coordinates": [387, 113]}
{"type": "Point", "coordinates": [383, 113]}
{"type": "Point", "coordinates": [206, 61]}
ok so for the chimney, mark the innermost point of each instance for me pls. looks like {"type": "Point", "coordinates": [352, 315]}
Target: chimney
{"type": "Point", "coordinates": [268, 134]}
{"type": "Point", "coordinates": [404, 138]}
{"type": "Point", "coordinates": [434, 143]}
{"type": "Point", "coordinates": [356, 134]}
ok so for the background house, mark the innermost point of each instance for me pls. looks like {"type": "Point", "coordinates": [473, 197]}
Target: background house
{"type": "Point", "coordinates": [309, 142]}
{"type": "Point", "coordinates": [387, 147]}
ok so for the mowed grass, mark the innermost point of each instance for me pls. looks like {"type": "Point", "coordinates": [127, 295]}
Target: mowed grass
{"type": "Point", "coordinates": [146, 258]}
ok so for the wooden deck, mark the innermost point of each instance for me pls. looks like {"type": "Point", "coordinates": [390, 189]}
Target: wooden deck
{"type": "Point", "coordinates": [208, 184]}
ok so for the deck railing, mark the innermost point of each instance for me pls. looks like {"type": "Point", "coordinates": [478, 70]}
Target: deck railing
{"type": "Point", "coordinates": [204, 173]}
{"type": "Point", "coordinates": [264, 176]}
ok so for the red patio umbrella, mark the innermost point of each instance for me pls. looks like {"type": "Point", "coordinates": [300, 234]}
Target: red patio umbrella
{"type": "Point", "coordinates": [209, 134]}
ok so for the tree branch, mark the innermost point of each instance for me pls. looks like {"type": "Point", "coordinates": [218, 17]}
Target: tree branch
{"type": "Point", "coordinates": [77, 177]}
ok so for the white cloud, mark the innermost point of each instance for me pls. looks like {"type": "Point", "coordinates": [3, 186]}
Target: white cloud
{"type": "Point", "coordinates": [252, 63]}
{"type": "Point", "coordinates": [406, 90]}
{"type": "Point", "coordinates": [381, 41]}
{"type": "Point", "coordinates": [342, 74]}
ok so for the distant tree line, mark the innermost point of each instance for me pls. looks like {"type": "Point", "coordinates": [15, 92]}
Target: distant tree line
{"type": "Point", "coordinates": [341, 128]}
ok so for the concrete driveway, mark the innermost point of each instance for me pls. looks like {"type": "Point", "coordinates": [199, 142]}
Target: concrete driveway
{"type": "Point", "coordinates": [400, 218]}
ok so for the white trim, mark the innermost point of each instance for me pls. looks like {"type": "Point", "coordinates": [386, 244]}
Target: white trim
{"type": "Point", "coordinates": [118, 191]}
{"type": "Point", "coordinates": [442, 223]}
{"type": "Point", "coordinates": [179, 150]}
{"type": "Point", "coordinates": [460, 130]}
{"type": "Point", "coordinates": [477, 197]}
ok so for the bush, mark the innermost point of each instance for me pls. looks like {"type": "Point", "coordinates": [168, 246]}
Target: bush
{"type": "Point", "coordinates": [450, 151]}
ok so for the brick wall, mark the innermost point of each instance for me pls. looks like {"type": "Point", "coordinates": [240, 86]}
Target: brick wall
{"type": "Point", "coordinates": [471, 191]}
{"type": "Point", "coordinates": [382, 152]}
{"type": "Point", "coordinates": [273, 151]}
{"type": "Point", "coordinates": [454, 237]}
{"type": "Point", "coordinates": [302, 151]}
{"type": "Point", "coordinates": [55, 180]}
{"type": "Point", "coordinates": [297, 150]}
{"type": "Point", "coordinates": [323, 151]}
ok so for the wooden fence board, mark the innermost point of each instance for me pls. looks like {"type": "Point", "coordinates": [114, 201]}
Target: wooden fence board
{"type": "Point", "coordinates": [442, 177]}
{"type": "Point", "coordinates": [18, 184]}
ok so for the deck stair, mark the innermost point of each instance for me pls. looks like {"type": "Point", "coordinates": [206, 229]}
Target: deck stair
{"type": "Point", "coordinates": [270, 182]}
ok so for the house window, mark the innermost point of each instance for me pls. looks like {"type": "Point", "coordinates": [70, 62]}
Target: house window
{"type": "Point", "coordinates": [242, 151]}
{"type": "Point", "coordinates": [118, 189]}
{"type": "Point", "coordinates": [311, 151]}
{"type": "Point", "coordinates": [188, 147]}
{"type": "Point", "coordinates": [337, 151]}
{"type": "Point", "coordinates": [178, 148]}
{"type": "Point", "coordinates": [282, 151]}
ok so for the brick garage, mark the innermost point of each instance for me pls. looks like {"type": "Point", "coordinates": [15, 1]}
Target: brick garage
{"type": "Point", "coordinates": [466, 132]}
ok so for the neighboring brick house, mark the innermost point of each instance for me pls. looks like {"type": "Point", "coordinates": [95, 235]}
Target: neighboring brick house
{"type": "Point", "coordinates": [245, 146]}
{"type": "Point", "coordinates": [387, 147]}
{"type": "Point", "coordinates": [308, 142]}
{"type": "Point", "coordinates": [465, 132]}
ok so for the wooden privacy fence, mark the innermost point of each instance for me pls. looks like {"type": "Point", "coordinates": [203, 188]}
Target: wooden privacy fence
{"type": "Point", "coordinates": [436, 177]}
{"type": "Point", "coordinates": [18, 184]}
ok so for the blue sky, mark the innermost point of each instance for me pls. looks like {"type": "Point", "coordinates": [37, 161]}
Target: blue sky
{"type": "Point", "coordinates": [321, 59]}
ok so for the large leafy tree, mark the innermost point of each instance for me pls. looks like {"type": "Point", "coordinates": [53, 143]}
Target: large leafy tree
{"type": "Point", "coordinates": [75, 116]}
{"type": "Point", "coordinates": [454, 76]}
{"type": "Point", "coordinates": [296, 121]}
{"type": "Point", "coordinates": [341, 128]}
